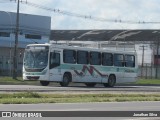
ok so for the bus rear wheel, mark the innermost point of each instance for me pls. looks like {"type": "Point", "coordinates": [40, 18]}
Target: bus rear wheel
{"type": "Point", "coordinates": [44, 83]}
{"type": "Point", "coordinates": [90, 84]}
{"type": "Point", "coordinates": [66, 80]}
{"type": "Point", "coordinates": [111, 81]}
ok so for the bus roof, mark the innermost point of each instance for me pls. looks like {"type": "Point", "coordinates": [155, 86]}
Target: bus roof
{"type": "Point", "coordinates": [83, 48]}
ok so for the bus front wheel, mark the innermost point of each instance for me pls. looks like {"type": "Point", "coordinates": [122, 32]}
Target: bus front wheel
{"type": "Point", "coordinates": [66, 80]}
{"type": "Point", "coordinates": [44, 83]}
{"type": "Point", "coordinates": [111, 81]}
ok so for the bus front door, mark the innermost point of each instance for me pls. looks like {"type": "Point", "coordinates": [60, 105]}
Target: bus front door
{"type": "Point", "coordinates": [54, 67]}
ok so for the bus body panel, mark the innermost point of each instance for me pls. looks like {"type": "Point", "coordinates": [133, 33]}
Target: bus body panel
{"type": "Point", "coordinates": [99, 74]}
{"type": "Point", "coordinates": [42, 76]}
{"type": "Point", "coordinates": [83, 73]}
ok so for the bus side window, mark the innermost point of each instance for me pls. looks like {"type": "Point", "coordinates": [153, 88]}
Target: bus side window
{"type": "Point", "coordinates": [107, 59]}
{"type": "Point", "coordinates": [82, 57]}
{"type": "Point", "coordinates": [69, 56]}
{"type": "Point", "coordinates": [129, 60]}
{"type": "Point", "coordinates": [119, 60]}
{"type": "Point", "coordinates": [54, 60]}
{"type": "Point", "coordinates": [95, 58]}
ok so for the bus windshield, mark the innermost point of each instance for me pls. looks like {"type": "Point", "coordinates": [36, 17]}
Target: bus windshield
{"type": "Point", "coordinates": [36, 58]}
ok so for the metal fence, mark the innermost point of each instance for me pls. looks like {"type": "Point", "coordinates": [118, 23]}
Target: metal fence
{"type": "Point", "coordinates": [149, 72]}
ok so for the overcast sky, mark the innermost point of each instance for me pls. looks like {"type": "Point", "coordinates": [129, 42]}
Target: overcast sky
{"type": "Point", "coordinates": [133, 10]}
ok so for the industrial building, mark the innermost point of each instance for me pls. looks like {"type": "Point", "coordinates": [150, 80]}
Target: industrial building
{"type": "Point", "coordinates": [32, 29]}
{"type": "Point", "coordinates": [145, 42]}
{"type": "Point", "coordinates": [119, 39]}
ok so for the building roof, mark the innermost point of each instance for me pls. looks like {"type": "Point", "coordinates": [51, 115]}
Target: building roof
{"type": "Point", "coordinates": [105, 35]}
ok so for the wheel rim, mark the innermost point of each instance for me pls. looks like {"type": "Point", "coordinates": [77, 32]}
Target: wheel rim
{"type": "Point", "coordinates": [111, 81]}
{"type": "Point", "coordinates": [65, 80]}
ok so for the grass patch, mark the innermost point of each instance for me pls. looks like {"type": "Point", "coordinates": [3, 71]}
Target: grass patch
{"type": "Point", "coordinates": [34, 98]}
{"type": "Point", "coordinates": [18, 81]}
{"type": "Point", "coordinates": [148, 81]}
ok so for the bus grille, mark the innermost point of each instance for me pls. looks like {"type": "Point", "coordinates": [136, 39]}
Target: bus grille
{"type": "Point", "coordinates": [33, 77]}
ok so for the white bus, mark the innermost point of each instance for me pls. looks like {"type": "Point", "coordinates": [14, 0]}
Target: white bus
{"type": "Point", "coordinates": [64, 64]}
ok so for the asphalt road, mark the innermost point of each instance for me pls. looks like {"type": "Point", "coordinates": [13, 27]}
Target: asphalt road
{"type": "Point", "coordinates": [111, 106]}
{"type": "Point", "coordinates": [87, 107]}
{"type": "Point", "coordinates": [75, 89]}
{"type": "Point", "coordinates": [120, 106]}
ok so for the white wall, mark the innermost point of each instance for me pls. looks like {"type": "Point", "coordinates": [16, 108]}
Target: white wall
{"type": "Point", "coordinates": [148, 53]}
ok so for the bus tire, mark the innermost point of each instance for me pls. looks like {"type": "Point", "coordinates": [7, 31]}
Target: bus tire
{"type": "Point", "coordinates": [44, 83]}
{"type": "Point", "coordinates": [90, 84]}
{"type": "Point", "coordinates": [111, 81]}
{"type": "Point", "coordinates": [66, 80]}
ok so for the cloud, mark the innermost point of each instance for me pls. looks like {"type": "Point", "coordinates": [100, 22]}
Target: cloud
{"type": "Point", "coordinates": [134, 10]}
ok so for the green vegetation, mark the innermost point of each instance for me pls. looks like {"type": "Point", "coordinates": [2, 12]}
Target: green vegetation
{"type": "Point", "coordinates": [32, 98]}
{"type": "Point", "coordinates": [148, 81]}
{"type": "Point", "coordinates": [18, 81]}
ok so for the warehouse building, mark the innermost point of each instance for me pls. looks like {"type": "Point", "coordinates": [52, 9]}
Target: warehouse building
{"type": "Point", "coordinates": [145, 42]}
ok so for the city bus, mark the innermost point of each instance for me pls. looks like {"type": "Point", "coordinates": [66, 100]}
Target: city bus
{"type": "Point", "coordinates": [66, 63]}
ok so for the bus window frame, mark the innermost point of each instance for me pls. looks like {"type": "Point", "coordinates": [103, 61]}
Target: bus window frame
{"type": "Point", "coordinates": [90, 57]}
{"type": "Point", "coordinates": [134, 64]}
{"type": "Point", "coordinates": [74, 56]}
{"type": "Point", "coordinates": [87, 57]}
{"type": "Point", "coordinates": [112, 60]}
{"type": "Point", "coordinates": [53, 65]}
{"type": "Point", "coordinates": [122, 61]}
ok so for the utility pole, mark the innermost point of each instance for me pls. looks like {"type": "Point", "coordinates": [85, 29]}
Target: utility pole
{"type": "Point", "coordinates": [157, 60]}
{"type": "Point", "coordinates": [16, 44]}
{"type": "Point", "coordinates": [142, 65]}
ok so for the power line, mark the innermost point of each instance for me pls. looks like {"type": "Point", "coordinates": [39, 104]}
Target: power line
{"type": "Point", "coordinates": [86, 16]}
